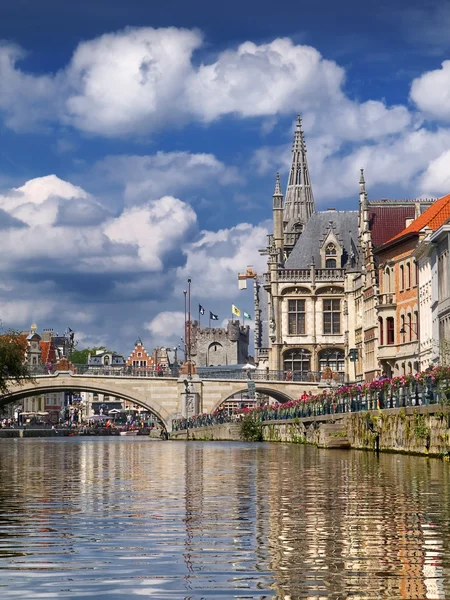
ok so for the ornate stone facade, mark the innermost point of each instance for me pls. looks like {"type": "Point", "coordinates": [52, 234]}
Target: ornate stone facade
{"type": "Point", "coordinates": [316, 307]}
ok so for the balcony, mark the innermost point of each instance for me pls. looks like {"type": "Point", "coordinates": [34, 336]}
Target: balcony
{"type": "Point", "coordinates": [387, 300]}
{"type": "Point", "coordinates": [387, 352]}
{"type": "Point", "coordinates": [330, 274]}
{"type": "Point", "coordinates": [294, 275]}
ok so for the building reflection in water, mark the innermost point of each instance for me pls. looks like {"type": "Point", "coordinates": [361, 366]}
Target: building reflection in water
{"type": "Point", "coordinates": [347, 525]}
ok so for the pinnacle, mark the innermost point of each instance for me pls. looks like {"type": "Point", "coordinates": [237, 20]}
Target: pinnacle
{"type": "Point", "coordinates": [277, 191]}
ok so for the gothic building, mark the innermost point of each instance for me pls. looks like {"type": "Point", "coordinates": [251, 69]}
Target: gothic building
{"type": "Point", "coordinates": [316, 306]}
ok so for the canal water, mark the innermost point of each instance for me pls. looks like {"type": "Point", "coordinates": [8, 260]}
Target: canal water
{"type": "Point", "coordinates": [111, 518]}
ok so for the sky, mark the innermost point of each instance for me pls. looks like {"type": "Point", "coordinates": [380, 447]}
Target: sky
{"type": "Point", "coordinates": [139, 143]}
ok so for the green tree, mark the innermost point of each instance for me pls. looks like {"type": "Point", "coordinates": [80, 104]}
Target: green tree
{"type": "Point", "coordinates": [13, 367]}
{"type": "Point", "coordinates": [250, 429]}
{"type": "Point", "coordinates": [80, 357]}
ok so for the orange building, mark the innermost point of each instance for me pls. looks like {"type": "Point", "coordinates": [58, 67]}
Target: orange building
{"type": "Point", "coordinates": [139, 358]}
{"type": "Point", "coordinates": [398, 300]}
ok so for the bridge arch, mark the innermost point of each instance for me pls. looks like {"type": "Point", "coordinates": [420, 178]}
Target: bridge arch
{"type": "Point", "coordinates": [276, 394]}
{"type": "Point", "coordinates": [56, 383]}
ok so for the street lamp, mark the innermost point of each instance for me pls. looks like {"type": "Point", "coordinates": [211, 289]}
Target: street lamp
{"type": "Point", "coordinates": [189, 331]}
{"type": "Point", "coordinates": [185, 325]}
{"type": "Point", "coordinates": [411, 327]}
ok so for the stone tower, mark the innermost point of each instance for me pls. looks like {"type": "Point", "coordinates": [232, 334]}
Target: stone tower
{"type": "Point", "coordinates": [216, 346]}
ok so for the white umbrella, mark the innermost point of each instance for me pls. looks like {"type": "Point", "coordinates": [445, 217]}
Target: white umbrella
{"type": "Point", "coordinates": [114, 411]}
{"type": "Point", "coordinates": [249, 366]}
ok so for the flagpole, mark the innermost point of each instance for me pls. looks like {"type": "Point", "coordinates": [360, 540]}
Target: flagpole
{"type": "Point", "coordinates": [199, 313]}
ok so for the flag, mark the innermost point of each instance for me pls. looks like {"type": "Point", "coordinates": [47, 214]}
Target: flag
{"type": "Point", "coordinates": [247, 315]}
{"type": "Point", "coordinates": [235, 310]}
{"type": "Point", "coordinates": [201, 310]}
{"type": "Point", "coordinates": [213, 317]}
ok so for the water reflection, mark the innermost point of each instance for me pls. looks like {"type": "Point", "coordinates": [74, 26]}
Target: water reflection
{"type": "Point", "coordinates": [118, 518]}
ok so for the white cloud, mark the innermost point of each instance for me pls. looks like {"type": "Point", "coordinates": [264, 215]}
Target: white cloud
{"type": "Point", "coordinates": [26, 99]}
{"type": "Point", "coordinates": [156, 228]}
{"type": "Point", "coordinates": [431, 92]}
{"type": "Point", "coordinates": [140, 238]}
{"type": "Point", "coordinates": [130, 80]}
{"type": "Point", "coordinates": [163, 173]}
{"type": "Point", "coordinates": [166, 326]}
{"type": "Point", "coordinates": [215, 259]}
{"type": "Point", "coordinates": [141, 79]}
{"type": "Point", "coordinates": [435, 181]}
{"type": "Point", "coordinates": [36, 202]}
{"type": "Point", "coordinates": [394, 161]}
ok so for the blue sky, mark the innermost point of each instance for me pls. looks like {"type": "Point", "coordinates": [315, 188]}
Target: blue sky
{"type": "Point", "coordinates": [139, 144]}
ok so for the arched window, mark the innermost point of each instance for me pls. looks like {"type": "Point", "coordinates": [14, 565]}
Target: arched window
{"type": "Point", "coordinates": [408, 275]}
{"type": "Point", "coordinates": [332, 358]}
{"type": "Point", "coordinates": [297, 360]}
{"type": "Point", "coordinates": [402, 327]}
{"type": "Point", "coordinates": [380, 321]}
{"type": "Point", "coordinates": [106, 361]}
{"type": "Point", "coordinates": [402, 277]}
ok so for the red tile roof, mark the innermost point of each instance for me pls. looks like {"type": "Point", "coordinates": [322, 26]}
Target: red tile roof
{"type": "Point", "coordinates": [436, 215]}
{"type": "Point", "coordinates": [385, 222]}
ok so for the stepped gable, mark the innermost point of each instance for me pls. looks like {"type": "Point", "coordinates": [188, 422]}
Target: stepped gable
{"type": "Point", "coordinates": [307, 247]}
{"type": "Point", "coordinates": [48, 352]}
{"type": "Point", "coordinates": [433, 217]}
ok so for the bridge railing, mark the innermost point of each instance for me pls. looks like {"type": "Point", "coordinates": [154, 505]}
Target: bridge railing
{"type": "Point", "coordinates": [268, 375]}
{"type": "Point", "coordinates": [204, 373]}
{"type": "Point", "coordinates": [107, 371]}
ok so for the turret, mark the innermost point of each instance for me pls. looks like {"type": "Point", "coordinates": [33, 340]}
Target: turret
{"type": "Point", "coordinates": [278, 235]}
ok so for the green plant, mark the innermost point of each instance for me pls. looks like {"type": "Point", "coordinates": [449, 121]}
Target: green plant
{"type": "Point", "coordinates": [421, 429]}
{"type": "Point", "coordinates": [251, 429]}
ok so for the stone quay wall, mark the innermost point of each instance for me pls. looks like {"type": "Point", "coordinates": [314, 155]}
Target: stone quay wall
{"type": "Point", "coordinates": [414, 430]}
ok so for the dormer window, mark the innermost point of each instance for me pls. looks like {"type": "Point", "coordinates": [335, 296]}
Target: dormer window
{"type": "Point", "coordinates": [330, 256]}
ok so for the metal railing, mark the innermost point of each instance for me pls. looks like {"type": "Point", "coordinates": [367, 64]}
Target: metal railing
{"type": "Point", "coordinates": [205, 420]}
{"type": "Point", "coordinates": [270, 375]}
{"type": "Point", "coordinates": [414, 394]}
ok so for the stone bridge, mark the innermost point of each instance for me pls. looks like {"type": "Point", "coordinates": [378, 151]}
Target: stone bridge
{"type": "Point", "coordinates": [166, 397]}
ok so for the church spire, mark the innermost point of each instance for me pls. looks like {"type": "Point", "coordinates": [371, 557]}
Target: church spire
{"type": "Point", "coordinates": [299, 204]}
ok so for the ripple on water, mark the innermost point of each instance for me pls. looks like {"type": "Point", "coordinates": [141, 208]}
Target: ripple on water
{"type": "Point", "coordinates": [117, 518]}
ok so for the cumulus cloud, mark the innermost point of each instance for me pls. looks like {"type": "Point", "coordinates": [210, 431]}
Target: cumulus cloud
{"type": "Point", "coordinates": [431, 92]}
{"type": "Point", "coordinates": [130, 80]}
{"type": "Point", "coordinates": [140, 79]}
{"type": "Point", "coordinates": [166, 326]}
{"type": "Point", "coordinates": [215, 259]}
{"type": "Point", "coordinates": [143, 238]}
{"type": "Point", "coordinates": [156, 229]}
{"type": "Point", "coordinates": [163, 173]}
{"type": "Point", "coordinates": [435, 181]}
